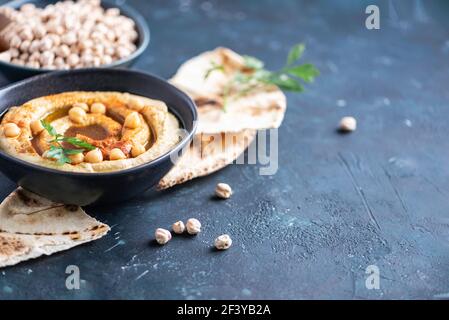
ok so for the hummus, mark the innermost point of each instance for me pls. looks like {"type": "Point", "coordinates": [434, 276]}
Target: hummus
{"type": "Point", "coordinates": [151, 130]}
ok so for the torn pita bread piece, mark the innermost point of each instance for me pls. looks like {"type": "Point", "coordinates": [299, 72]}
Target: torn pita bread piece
{"type": "Point", "coordinates": [207, 153]}
{"type": "Point", "coordinates": [263, 108]}
{"type": "Point", "coordinates": [32, 226]}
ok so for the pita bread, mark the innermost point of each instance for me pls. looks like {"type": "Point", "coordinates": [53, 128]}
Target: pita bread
{"type": "Point", "coordinates": [31, 226]}
{"type": "Point", "coordinates": [208, 154]}
{"type": "Point", "coordinates": [261, 109]}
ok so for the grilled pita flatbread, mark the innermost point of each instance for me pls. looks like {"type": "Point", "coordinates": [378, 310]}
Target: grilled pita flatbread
{"type": "Point", "coordinates": [262, 109]}
{"type": "Point", "coordinates": [210, 153]}
{"type": "Point", "coordinates": [31, 226]}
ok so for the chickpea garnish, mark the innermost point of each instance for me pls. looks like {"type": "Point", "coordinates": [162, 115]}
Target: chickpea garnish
{"type": "Point", "coordinates": [76, 158]}
{"type": "Point", "coordinates": [77, 114]}
{"type": "Point", "coordinates": [116, 154]}
{"type": "Point", "coordinates": [98, 107]}
{"type": "Point", "coordinates": [137, 150]}
{"type": "Point", "coordinates": [11, 130]}
{"type": "Point", "coordinates": [94, 156]}
{"type": "Point", "coordinates": [81, 105]}
{"type": "Point", "coordinates": [36, 127]}
{"type": "Point", "coordinates": [132, 121]}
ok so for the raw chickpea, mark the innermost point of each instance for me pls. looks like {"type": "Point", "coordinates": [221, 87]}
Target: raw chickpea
{"type": "Point", "coordinates": [98, 107]}
{"type": "Point", "coordinates": [77, 114]}
{"type": "Point", "coordinates": [106, 59]}
{"type": "Point", "coordinates": [24, 57]}
{"type": "Point", "coordinates": [178, 227]}
{"type": "Point", "coordinates": [76, 158]}
{"type": "Point", "coordinates": [36, 127]}
{"type": "Point", "coordinates": [63, 51]}
{"type": "Point", "coordinates": [81, 105]}
{"type": "Point", "coordinates": [162, 236]}
{"type": "Point", "coordinates": [73, 60]}
{"type": "Point", "coordinates": [116, 154]}
{"type": "Point", "coordinates": [15, 42]}
{"type": "Point", "coordinates": [223, 242]}
{"type": "Point", "coordinates": [94, 156]}
{"type": "Point", "coordinates": [69, 38]}
{"type": "Point", "coordinates": [347, 124]}
{"type": "Point", "coordinates": [39, 31]}
{"type": "Point", "coordinates": [14, 52]}
{"type": "Point", "coordinates": [46, 44]}
{"type": "Point", "coordinates": [132, 121]}
{"type": "Point", "coordinates": [59, 62]}
{"type": "Point", "coordinates": [137, 150]}
{"type": "Point", "coordinates": [193, 226]}
{"type": "Point", "coordinates": [47, 58]}
{"type": "Point", "coordinates": [17, 61]}
{"type": "Point", "coordinates": [25, 45]}
{"type": "Point", "coordinates": [26, 34]}
{"type": "Point", "coordinates": [11, 130]}
{"type": "Point", "coordinates": [223, 191]}
{"type": "Point", "coordinates": [33, 64]}
{"type": "Point", "coordinates": [34, 46]}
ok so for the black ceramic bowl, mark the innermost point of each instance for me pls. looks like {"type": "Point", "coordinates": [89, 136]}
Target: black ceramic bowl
{"type": "Point", "coordinates": [14, 72]}
{"type": "Point", "coordinates": [90, 188]}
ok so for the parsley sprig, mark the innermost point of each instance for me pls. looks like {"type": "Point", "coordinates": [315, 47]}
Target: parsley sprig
{"type": "Point", "coordinates": [254, 76]}
{"type": "Point", "coordinates": [57, 151]}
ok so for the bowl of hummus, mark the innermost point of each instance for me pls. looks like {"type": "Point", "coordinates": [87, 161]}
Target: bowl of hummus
{"type": "Point", "coordinates": [93, 135]}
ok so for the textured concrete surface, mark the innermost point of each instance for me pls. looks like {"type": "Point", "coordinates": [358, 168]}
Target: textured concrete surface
{"type": "Point", "coordinates": [337, 204]}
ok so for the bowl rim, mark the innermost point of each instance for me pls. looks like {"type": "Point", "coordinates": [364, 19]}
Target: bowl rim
{"type": "Point", "coordinates": [141, 25]}
{"type": "Point", "coordinates": [186, 139]}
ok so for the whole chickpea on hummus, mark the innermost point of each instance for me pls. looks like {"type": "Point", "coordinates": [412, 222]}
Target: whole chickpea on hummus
{"type": "Point", "coordinates": [89, 131]}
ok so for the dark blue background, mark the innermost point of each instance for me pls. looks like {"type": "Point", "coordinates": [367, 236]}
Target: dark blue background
{"type": "Point", "coordinates": [338, 202]}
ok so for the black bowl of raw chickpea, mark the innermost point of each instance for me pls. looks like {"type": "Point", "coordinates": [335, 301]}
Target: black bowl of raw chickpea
{"type": "Point", "coordinates": [45, 36]}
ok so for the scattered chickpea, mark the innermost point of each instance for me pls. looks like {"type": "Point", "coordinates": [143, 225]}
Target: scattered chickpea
{"type": "Point", "coordinates": [36, 127]}
{"type": "Point", "coordinates": [223, 242]}
{"type": "Point", "coordinates": [77, 114]}
{"type": "Point", "coordinates": [98, 107]}
{"type": "Point", "coordinates": [94, 156]}
{"type": "Point", "coordinates": [162, 236]}
{"type": "Point", "coordinates": [347, 124]}
{"type": "Point", "coordinates": [132, 121]}
{"type": "Point", "coordinates": [116, 154]}
{"type": "Point", "coordinates": [11, 130]}
{"type": "Point", "coordinates": [137, 150]}
{"type": "Point", "coordinates": [223, 191]}
{"type": "Point", "coordinates": [193, 226]}
{"type": "Point", "coordinates": [76, 158]}
{"type": "Point", "coordinates": [178, 227]}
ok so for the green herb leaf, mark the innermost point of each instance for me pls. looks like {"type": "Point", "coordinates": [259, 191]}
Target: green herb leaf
{"type": "Point", "coordinates": [253, 63]}
{"type": "Point", "coordinates": [295, 53]}
{"type": "Point", "coordinates": [288, 78]}
{"type": "Point", "coordinates": [214, 67]}
{"type": "Point", "coordinates": [58, 154]}
{"type": "Point", "coordinates": [306, 72]}
{"type": "Point", "coordinates": [73, 151]}
{"type": "Point", "coordinates": [51, 131]}
{"type": "Point", "coordinates": [79, 143]}
{"type": "Point", "coordinates": [284, 82]}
